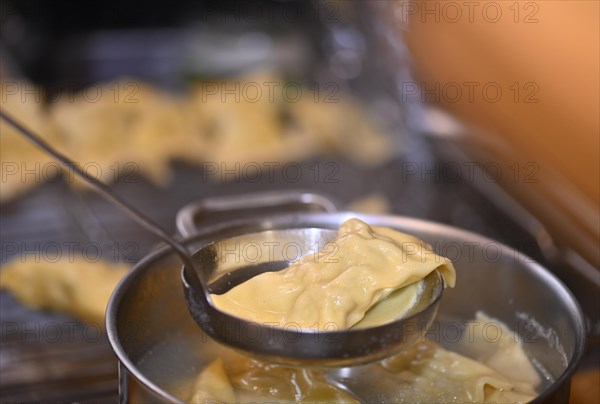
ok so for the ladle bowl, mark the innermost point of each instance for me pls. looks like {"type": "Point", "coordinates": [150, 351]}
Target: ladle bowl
{"type": "Point", "coordinates": [229, 262]}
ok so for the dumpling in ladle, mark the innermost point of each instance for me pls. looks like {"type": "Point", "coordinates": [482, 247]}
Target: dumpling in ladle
{"type": "Point", "coordinates": [334, 288]}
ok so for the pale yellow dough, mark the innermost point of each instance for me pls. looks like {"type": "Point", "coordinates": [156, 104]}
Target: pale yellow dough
{"type": "Point", "coordinates": [338, 285]}
{"type": "Point", "coordinates": [23, 164]}
{"type": "Point", "coordinates": [74, 286]}
{"type": "Point", "coordinates": [128, 129]}
{"type": "Point", "coordinates": [425, 373]}
{"type": "Point", "coordinates": [235, 378]}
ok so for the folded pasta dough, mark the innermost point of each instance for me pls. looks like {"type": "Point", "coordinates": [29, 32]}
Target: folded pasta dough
{"type": "Point", "coordinates": [338, 284]}
{"type": "Point", "coordinates": [424, 373]}
{"type": "Point", "coordinates": [213, 385]}
{"type": "Point", "coordinates": [234, 378]}
{"type": "Point", "coordinates": [491, 342]}
{"type": "Point", "coordinates": [23, 164]}
{"type": "Point", "coordinates": [431, 373]}
{"type": "Point", "coordinates": [72, 285]}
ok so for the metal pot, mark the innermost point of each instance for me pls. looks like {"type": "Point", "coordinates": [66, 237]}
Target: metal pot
{"type": "Point", "coordinates": [161, 349]}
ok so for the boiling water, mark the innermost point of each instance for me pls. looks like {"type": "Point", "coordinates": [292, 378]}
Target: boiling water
{"type": "Point", "coordinates": [174, 364]}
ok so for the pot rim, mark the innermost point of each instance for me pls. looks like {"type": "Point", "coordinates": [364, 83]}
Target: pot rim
{"type": "Point", "coordinates": [330, 220]}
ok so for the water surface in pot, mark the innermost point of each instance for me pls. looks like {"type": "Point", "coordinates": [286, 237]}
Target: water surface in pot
{"type": "Point", "coordinates": [174, 364]}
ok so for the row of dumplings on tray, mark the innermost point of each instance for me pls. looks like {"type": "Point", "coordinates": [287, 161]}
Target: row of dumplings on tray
{"type": "Point", "coordinates": [109, 127]}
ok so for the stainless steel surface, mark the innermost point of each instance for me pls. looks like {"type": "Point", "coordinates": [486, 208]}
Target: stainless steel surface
{"type": "Point", "coordinates": [224, 265]}
{"type": "Point", "coordinates": [147, 312]}
{"type": "Point", "coordinates": [193, 215]}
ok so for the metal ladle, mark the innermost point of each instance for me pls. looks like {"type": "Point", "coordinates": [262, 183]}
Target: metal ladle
{"type": "Point", "coordinates": [203, 274]}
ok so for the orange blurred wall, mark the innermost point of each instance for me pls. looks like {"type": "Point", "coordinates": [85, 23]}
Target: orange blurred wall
{"type": "Point", "coordinates": [529, 76]}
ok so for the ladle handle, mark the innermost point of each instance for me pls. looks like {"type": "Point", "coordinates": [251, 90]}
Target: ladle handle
{"type": "Point", "coordinates": [108, 194]}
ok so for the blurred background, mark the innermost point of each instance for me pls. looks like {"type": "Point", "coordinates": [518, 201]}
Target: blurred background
{"type": "Point", "coordinates": [483, 115]}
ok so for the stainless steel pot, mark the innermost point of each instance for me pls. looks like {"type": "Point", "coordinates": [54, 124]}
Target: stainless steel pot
{"type": "Point", "coordinates": [161, 349]}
